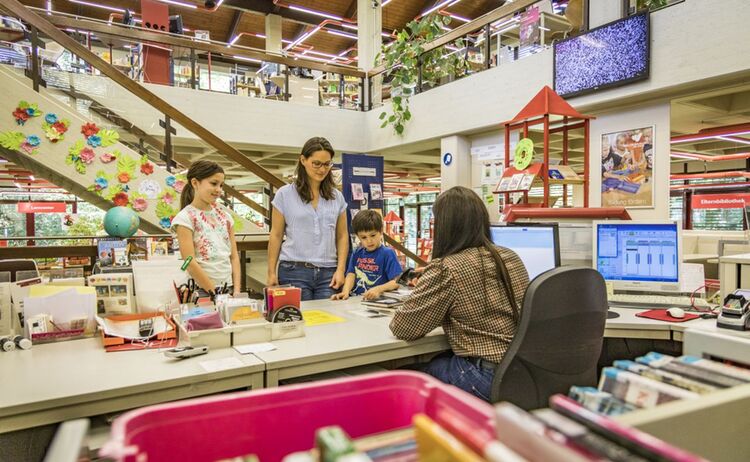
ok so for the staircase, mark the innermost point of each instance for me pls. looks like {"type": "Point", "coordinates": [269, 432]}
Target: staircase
{"type": "Point", "coordinates": [87, 158]}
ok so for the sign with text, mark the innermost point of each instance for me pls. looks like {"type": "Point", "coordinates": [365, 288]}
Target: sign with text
{"type": "Point", "coordinates": [41, 207]}
{"type": "Point", "coordinates": [720, 201]}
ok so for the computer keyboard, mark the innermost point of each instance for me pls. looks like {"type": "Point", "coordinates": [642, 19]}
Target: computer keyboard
{"type": "Point", "coordinates": [656, 301]}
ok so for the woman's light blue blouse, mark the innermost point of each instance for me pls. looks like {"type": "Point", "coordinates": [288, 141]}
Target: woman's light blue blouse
{"type": "Point", "coordinates": [310, 233]}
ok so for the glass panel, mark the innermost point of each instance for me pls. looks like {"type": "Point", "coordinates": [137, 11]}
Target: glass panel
{"type": "Point", "coordinates": [410, 228]}
{"type": "Point", "coordinates": [425, 230]}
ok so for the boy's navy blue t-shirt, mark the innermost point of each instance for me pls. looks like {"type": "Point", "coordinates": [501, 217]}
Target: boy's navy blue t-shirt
{"type": "Point", "coordinates": [373, 268]}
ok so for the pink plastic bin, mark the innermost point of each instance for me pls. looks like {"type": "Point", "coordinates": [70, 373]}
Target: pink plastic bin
{"type": "Point", "coordinates": [272, 423]}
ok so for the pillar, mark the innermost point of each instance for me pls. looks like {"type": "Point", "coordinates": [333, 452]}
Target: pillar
{"type": "Point", "coordinates": [369, 41]}
{"type": "Point", "coordinates": [273, 33]}
{"type": "Point", "coordinates": [455, 162]}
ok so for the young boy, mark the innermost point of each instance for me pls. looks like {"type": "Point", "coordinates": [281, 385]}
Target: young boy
{"type": "Point", "coordinates": [373, 268]}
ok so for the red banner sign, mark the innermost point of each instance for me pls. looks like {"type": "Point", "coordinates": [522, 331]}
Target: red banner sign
{"type": "Point", "coordinates": [41, 207]}
{"type": "Point", "coordinates": [720, 201]}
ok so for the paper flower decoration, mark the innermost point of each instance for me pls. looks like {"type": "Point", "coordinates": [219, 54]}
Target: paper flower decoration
{"type": "Point", "coordinates": [170, 181]}
{"type": "Point", "coordinates": [101, 183]}
{"type": "Point", "coordinates": [140, 204]}
{"type": "Point", "coordinates": [50, 118]}
{"type": "Point", "coordinates": [53, 128]}
{"type": "Point", "coordinates": [167, 198]}
{"type": "Point", "coordinates": [89, 129]}
{"type": "Point", "coordinates": [74, 156]}
{"type": "Point", "coordinates": [165, 222]}
{"type": "Point", "coordinates": [94, 141]}
{"type": "Point", "coordinates": [179, 185]}
{"type": "Point", "coordinates": [24, 111]}
{"type": "Point", "coordinates": [21, 116]}
{"type": "Point", "coordinates": [27, 148]}
{"type": "Point", "coordinates": [123, 177]}
{"type": "Point", "coordinates": [121, 199]}
{"type": "Point", "coordinates": [107, 157]}
{"type": "Point", "coordinates": [87, 155]}
{"type": "Point", "coordinates": [33, 140]}
{"type": "Point", "coordinates": [147, 168]}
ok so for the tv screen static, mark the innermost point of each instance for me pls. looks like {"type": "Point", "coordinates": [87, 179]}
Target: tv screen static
{"type": "Point", "coordinates": [610, 55]}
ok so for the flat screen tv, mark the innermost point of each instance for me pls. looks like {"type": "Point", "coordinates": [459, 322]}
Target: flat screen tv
{"type": "Point", "coordinates": [610, 55]}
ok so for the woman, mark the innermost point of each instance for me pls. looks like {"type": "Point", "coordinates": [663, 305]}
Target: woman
{"type": "Point", "coordinates": [205, 230]}
{"type": "Point", "coordinates": [311, 212]}
{"type": "Point", "coordinates": [471, 288]}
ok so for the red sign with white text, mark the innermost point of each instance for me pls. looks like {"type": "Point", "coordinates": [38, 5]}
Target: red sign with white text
{"type": "Point", "coordinates": [720, 201]}
{"type": "Point", "coordinates": [41, 207]}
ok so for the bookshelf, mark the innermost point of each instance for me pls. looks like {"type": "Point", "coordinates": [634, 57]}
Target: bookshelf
{"type": "Point", "coordinates": [339, 92]}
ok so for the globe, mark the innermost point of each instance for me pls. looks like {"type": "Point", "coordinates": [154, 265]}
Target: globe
{"type": "Point", "coordinates": [121, 222]}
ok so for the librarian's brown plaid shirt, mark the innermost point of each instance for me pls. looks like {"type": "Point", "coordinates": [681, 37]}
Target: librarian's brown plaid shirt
{"type": "Point", "coordinates": [463, 293]}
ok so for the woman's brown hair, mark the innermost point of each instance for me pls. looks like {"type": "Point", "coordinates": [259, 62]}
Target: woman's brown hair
{"type": "Point", "coordinates": [462, 222]}
{"type": "Point", "coordinates": [302, 182]}
{"type": "Point", "coordinates": [199, 170]}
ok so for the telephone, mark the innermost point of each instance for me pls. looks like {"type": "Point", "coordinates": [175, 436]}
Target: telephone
{"type": "Point", "coordinates": [735, 312]}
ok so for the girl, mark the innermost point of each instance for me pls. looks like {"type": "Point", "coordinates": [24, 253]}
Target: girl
{"type": "Point", "coordinates": [205, 230]}
{"type": "Point", "coordinates": [471, 288]}
{"type": "Point", "coordinates": [311, 212]}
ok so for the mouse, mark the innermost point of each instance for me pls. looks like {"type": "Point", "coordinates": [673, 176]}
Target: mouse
{"type": "Point", "coordinates": [675, 312]}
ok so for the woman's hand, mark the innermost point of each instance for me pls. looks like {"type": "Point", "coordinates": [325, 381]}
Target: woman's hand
{"type": "Point", "coordinates": [340, 296]}
{"type": "Point", "coordinates": [338, 279]}
{"type": "Point", "coordinates": [272, 280]}
{"type": "Point", "coordinates": [373, 293]}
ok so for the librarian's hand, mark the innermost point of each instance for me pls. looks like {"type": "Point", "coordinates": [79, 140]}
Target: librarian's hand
{"type": "Point", "coordinates": [272, 280]}
{"type": "Point", "coordinates": [338, 279]}
{"type": "Point", "coordinates": [340, 296]}
{"type": "Point", "coordinates": [372, 294]}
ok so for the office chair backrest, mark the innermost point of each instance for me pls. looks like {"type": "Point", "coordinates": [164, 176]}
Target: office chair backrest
{"type": "Point", "coordinates": [559, 338]}
{"type": "Point", "coordinates": [14, 266]}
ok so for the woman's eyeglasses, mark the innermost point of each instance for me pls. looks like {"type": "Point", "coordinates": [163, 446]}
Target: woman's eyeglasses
{"type": "Point", "coordinates": [316, 164]}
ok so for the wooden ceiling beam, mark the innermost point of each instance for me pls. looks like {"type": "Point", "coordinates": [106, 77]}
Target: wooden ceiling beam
{"type": "Point", "coordinates": [235, 25]}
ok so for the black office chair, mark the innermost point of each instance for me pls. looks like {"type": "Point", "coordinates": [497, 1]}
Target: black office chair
{"type": "Point", "coordinates": [559, 338]}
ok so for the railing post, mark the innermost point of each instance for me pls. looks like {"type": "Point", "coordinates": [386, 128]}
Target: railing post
{"type": "Point", "coordinates": [192, 69]}
{"type": "Point", "coordinates": [362, 94]}
{"type": "Point", "coordinates": [487, 46]}
{"type": "Point", "coordinates": [286, 83]}
{"type": "Point", "coordinates": [369, 93]}
{"type": "Point", "coordinates": [269, 192]}
{"type": "Point", "coordinates": [419, 74]}
{"type": "Point", "coordinates": [342, 93]}
{"type": "Point", "coordinates": [166, 124]}
{"type": "Point", "coordinates": [35, 71]}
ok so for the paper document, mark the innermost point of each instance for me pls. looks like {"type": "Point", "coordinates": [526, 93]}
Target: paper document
{"type": "Point", "coordinates": [216, 365]}
{"type": "Point", "coordinates": [254, 348]}
{"type": "Point", "coordinates": [692, 276]}
{"type": "Point", "coordinates": [129, 329]}
{"type": "Point", "coordinates": [319, 317]}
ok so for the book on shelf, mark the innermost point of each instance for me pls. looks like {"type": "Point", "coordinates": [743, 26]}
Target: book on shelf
{"type": "Point", "coordinates": [665, 377]}
{"type": "Point", "coordinates": [105, 250]}
{"type": "Point", "coordinates": [668, 363]}
{"type": "Point", "coordinates": [384, 301]}
{"type": "Point", "coordinates": [515, 182]}
{"type": "Point", "coordinates": [728, 370]}
{"type": "Point", "coordinates": [504, 184]}
{"type": "Point", "coordinates": [640, 391]}
{"type": "Point", "coordinates": [599, 401]}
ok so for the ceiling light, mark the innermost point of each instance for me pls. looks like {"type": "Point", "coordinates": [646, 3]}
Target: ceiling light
{"type": "Point", "coordinates": [342, 34]}
{"type": "Point", "coordinates": [252, 60]}
{"type": "Point", "coordinates": [186, 5]}
{"type": "Point", "coordinates": [316, 13]}
{"type": "Point", "coordinates": [97, 5]}
{"type": "Point", "coordinates": [49, 6]}
{"type": "Point", "coordinates": [699, 137]}
{"type": "Point", "coordinates": [438, 6]}
{"type": "Point", "coordinates": [459, 18]}
{"type": "Point", "coordinates": [15, 183]}
{"type": "Point", "coordinates": [734, 139]}
{"type": "Point", "coordinates": [233, 41]}
{"type": "Point", "coordinates": [261, 36]}
{"type": "Point", "coordinates": [385, 2]}
{"type": "Point", "coordinates": [349, 26]}
{"type": "Point", "coordinates": [31, 177]}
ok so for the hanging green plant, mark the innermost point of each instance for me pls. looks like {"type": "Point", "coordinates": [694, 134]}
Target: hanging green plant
{"type": "Point", "coordinates": [74, 156]}
{"type": "Point", "coordinates": [402, 59]}
{"type": "Point", "coordinates": [12, 140]}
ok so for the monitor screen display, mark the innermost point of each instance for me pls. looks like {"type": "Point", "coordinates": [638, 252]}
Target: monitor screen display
{"type": "Point", "coordinates": [640, 252]}
{"type": "Point", "coordinates": [613, 54]}
{"type": "Point", "coordinates": [536, 246]}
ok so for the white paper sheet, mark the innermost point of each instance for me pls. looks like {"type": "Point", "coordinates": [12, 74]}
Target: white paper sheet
{"type": "Point", "coordinates": [254, 348]}
{"type": "Point", "coordinates": [692, 276]}
{"type": "Point", "coordinates": [216, 365]}
{"type": "Point", "coordinates": [129, 329]}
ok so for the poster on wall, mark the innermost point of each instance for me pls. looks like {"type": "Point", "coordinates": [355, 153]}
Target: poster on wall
{"type": "Point", "coordinates": [492, 172]}
{"type": "Point", "coordinates": [529, 30]}
{"type": "Point", "coordinates": [627, 168]}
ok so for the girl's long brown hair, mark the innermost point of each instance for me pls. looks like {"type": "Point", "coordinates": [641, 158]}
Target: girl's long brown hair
{"type": "Point", "coordinates": [302, 183]}
{"type": "Point", "coordinates": [199, 170]}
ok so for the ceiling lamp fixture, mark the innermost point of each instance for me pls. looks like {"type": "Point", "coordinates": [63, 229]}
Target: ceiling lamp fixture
{"type": "Point", "coordinates": [98, 5]}
{"type": "Point", "coordinates": [185, 5]}
{"type": "Point", "coordinates": [439, 5]}
{"type": "Point", "coordinates": [315, 13]}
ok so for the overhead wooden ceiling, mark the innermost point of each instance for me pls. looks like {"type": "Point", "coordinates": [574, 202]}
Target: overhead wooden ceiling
{"type": "Point", "coordinates": [249, 15]}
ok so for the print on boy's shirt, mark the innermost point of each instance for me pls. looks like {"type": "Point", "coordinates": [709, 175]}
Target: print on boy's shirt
{"type": "Point", "coordinates": [373, 268]}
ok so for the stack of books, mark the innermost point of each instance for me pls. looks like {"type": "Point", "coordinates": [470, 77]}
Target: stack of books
{"type": "Point", "coordinates": [389, 300]}
{"type": "Point", "coordinates": [655, 379]}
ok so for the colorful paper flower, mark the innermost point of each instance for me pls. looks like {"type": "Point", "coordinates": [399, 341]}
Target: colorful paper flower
{"type": "Point", "coordinates": [107, 157]}
{"type": "Point", "coordinates": [87, 155]}
{"type": "Point", "coordinates": [27, 147]}
{"type": "Point", "coordinates": [171, 180]}
{"type": "Point", "coordinates": [60, 127]}
{"type": "Point", "coordinates": [21, 116]}
{"type": "Point", "coordinates": [147, 168]}
{"type": "Point", "coordinates": [123, 177]}
{"type": "Point", "coordinates": [33, 140]}
{"type": "Point", "coordinates": [140, 204]}
{"type": "Point", "coordinates": [101, 183]}
{"type": "Point", "coordinates": [179, 185]}
{"type": "Point", "coordinates": [89, 129]}
{"type": "Point", "coordinates": [165, 222]}
{"type": "Point", "coordinates": [168, 198]}
{"type": "Point", "coordinates": [94, 141]}
{"type": "Point", "coordinates": [121, 199]}
{"type": "Point", "coordinates": [50, 118]}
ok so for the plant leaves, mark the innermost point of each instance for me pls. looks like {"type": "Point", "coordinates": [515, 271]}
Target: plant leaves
{"type": "Point", "coordinates": [12, 140]}
{"type": "Point", "coordinates": [109, 137]}
{"type": "Point", "coordinates": [164, 210]}
{"type": "Point", "coordinates": [126, 164]}
{"type": "Point", "coordinates": [399, 128]}
{"type": "Point", "coordinates": [382, 116]}
{"type": "Point", "coordinates": [392, 118]}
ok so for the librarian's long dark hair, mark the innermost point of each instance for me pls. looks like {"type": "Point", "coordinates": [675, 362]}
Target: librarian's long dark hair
{"type": "Point", "coordinates": [199, 170]}
{"type": "Point", "coordinates": [462, 222]}
{"type": "Point", "coordinates": [302, 182]}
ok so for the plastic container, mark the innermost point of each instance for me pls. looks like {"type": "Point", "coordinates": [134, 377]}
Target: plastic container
{"type": "Point", "coordinates": [213, 338]}
{"type": "Point", "coordinates": [266, 331]}
{"type": "Point", "coordinates": [274, 422]}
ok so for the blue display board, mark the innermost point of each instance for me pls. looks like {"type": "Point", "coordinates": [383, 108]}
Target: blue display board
{"type": "Point", "coordinates": [364, 170]}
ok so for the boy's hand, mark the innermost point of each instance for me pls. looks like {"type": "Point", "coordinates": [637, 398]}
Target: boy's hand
{"type": "Point", "coordinates": [373, 293]}
{"type": "Point", "coordinates": [340, 296]}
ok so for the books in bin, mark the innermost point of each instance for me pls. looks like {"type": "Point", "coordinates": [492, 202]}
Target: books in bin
{"type": "Point", "coordinates": [640, 391]}
{"type": "Point", "coordinates": [665, 377]}
{"type": "Point", "coordinates": [384, 301]}
{"type": "Point", "coordinates": [689, 370]}
{"type": "Point", "coordinates": [599, 401]}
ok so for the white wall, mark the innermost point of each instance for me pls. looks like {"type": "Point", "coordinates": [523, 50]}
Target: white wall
{"type": "Point", "coordinates": [604, 11]}
{"type": "Point", "coordinates": [656, 115]}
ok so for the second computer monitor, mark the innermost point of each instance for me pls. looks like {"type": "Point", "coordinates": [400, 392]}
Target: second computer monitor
{"type": "Point", "coordinates": [643, 256]}
{"type": "Point", "coordinates": [536, 244]}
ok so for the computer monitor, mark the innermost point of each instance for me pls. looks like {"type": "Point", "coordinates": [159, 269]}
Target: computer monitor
{"type": "Point", "coordinates": [640, 256]}
{"type": "Point", "coordinates": [536, 244]}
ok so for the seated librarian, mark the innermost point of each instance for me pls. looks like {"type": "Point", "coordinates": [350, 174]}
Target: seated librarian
{"type": "Point", "coordinates": [471, 288]}
{"type": "Point", "coordinates": [373, 268]}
